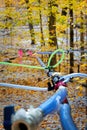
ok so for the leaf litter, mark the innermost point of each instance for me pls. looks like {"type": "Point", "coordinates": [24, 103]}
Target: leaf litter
{"type": "Point", "coordinates": [23, 98]}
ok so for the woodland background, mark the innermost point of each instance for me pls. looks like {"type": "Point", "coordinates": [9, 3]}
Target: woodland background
{"type": "Point", "coordinates": [37, 25]}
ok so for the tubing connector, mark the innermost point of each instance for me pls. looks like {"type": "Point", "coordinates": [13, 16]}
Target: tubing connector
{"type": "Point", "coordinates": [27, 120]}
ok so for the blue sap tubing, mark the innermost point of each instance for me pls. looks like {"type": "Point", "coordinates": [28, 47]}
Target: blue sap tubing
{"type": "Point", "coordinates": [66, 118]}
{"type": "Point", "coordinates": [53, 103]}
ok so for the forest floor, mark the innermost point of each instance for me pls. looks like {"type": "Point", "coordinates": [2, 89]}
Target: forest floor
{"type": "Point", "coordinates": [24, 98]}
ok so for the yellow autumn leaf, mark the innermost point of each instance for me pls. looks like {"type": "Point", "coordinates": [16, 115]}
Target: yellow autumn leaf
{"type": "Point", "coordinates": [80, 88]}
{"type": "Point", "coordinates": [17, 107]}
{"type": "Point", "coordinates": [76, 79]}
{"type": "Point", "coordinates": [21, 2]}
{"type": "Point", "coordinates": [54, 9]}
{"type": "Point", "coordinates": [79, 94]}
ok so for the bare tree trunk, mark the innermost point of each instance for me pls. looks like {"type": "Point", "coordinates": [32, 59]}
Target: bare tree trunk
{"type": "Point", "coordinates": [71, 39]}
{"type": "Point", "coordinates": [52, 26]}
{"type": "Point", "coordinates": [82, 37]}
{"type": "Point", "coordinates": [52, 29]}
{"type": "Point", "coordinates": [86, 28]}
{"type": "Point", "coordinates": [30, 22]}
{"type": "Point", "coordinates": [86, 43]}
{"type": "Point", "coordinates": [64, 11]}
{"type": "Point", "coordinates": [41, 26]}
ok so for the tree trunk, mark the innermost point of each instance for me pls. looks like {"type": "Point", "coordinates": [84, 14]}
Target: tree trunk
{"type": "Point", "coordinates": [52, 26]}
{"type": "Point", "coordinates": [30, 22]}
{"type": "Point", "coordinates": [41, 27]}
{"type": "Point", "coordinates": [64, 11]}
{"type": "Point", "coordinates": [82, 37]}
{"type": "Point", "coordinates": [52, 29]}
{"type": "Point", "coordinates": [71, 39]}
{"type": "Point", "coordinates": [86, 43]}
{"type": "Point", "coordinates": [86, 27]}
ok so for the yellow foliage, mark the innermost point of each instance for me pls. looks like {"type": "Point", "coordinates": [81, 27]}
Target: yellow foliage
{"type": "Point", "coordinates": [17, 107]}
{"type": "Point", "coordinates": [79, 94]}
{"type": "Point", "coordinates": [21, 2]}
{"type": "Point", "coordinates": [54, 9]}
{"type": "Point", "coordinates": [84, 65]}
{"type": "Point", "coordinates": [61, 28]}
{"type": "Point", "coordinates": [2, 25]}
{"type": "Point", "coordinates": [80, 91]}
{"type": "Point", "coordinates": [80, 88]}
{"type": "Point", "coordinates": [31, 1]}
